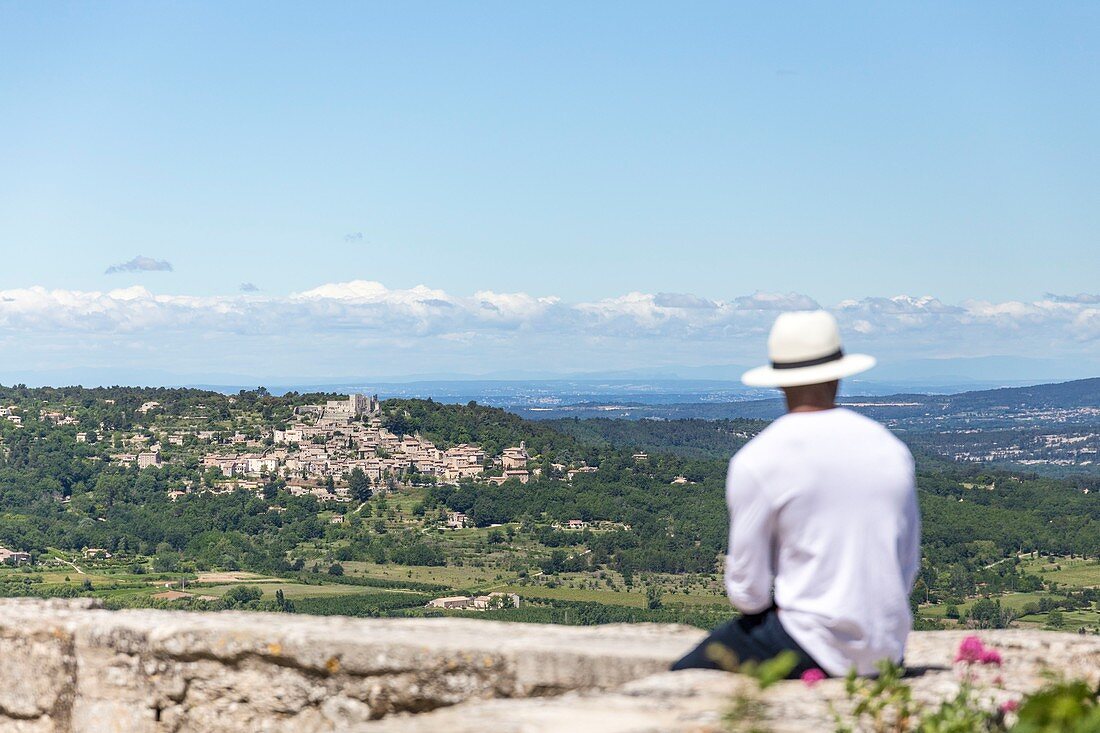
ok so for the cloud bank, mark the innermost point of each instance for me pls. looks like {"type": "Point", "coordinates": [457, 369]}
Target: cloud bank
{"type": "Point", "coordinates": [364, 327]}
{"type": "Point", "coordinates": [140, 264]}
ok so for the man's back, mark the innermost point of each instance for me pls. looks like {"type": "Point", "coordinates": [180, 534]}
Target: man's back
{"type": "Point", "coordinates": [831, 494]}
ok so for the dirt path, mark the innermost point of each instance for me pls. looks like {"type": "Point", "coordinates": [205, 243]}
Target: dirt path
{"type": "Point", "coordinates": [74, 566]}
{"type": "Point", "coordinates": [234, 576]}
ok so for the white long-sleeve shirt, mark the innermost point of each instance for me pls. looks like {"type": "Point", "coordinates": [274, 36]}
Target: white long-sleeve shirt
{"type": "Point", "coordinates": [823, 514]}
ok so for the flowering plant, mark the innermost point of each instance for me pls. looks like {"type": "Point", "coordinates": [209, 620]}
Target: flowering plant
{"type": "Point", "coordinates": [812, 676]}
{"type": "Point", "coordinates": [884, 704]}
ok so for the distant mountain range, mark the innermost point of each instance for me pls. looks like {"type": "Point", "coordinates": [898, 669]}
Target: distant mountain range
{"type": "Point", "coordinates": [1051, 428]}
{"type": "Point", "coordinates": [1074, 394]}
{"type": "Point", "coordinates": [1006, 402]}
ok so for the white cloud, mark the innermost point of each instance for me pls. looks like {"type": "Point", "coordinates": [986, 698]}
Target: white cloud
{"type": "Point", "coordinates": [901, 305]}
{"type": "Point", "coordinates": [682, 300]}
{"type": "Point", "coordinates": [1086, 298]}
{"type": "Point", "coordinates": [762, 301]}
{"type": "Point", "coordinates": [332, 328]}
{"type": "Point", "coordinates": [1075, 318]}
{"type": "Point", "coordinates": [638, 308]}
{"type": "Point", "coordinates": [513, 307]}
{"type": "Point", "coordinates": [140, 264]}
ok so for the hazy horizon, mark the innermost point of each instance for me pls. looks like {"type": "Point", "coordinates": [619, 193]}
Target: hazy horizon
{"type": "Point", "coordinates": [926, 376]}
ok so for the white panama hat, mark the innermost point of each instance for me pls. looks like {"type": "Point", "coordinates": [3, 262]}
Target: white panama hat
{"type": "Point", "coordinates": [804, 348]}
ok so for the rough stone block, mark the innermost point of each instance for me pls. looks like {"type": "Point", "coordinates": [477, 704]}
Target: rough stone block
{"type": "Point", "coordinates": [74, 667]}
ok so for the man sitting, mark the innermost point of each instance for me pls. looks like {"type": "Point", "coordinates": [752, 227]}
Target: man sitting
{"type": "Point", "coordinates": [824, 528]}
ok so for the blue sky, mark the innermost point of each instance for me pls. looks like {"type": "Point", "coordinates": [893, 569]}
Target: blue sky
{"type": "Point", "coordinates": [934, 155]}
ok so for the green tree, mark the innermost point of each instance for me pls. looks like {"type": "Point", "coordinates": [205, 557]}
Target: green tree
{"type": "Point", "coordinates": [988, 614]}
{"type": "Point", "coordinates": [241, 595]}
{"type": "Point", "coordinates": [272, 486]}
{"type": "Point", "coordinates": [359, 485]}
{"type": "Point", "coordinates": [166, 560]}
{"type": "Point", "coordinates": [281, 602]}
{"type": "Point", "coordinates": [1056, 620]}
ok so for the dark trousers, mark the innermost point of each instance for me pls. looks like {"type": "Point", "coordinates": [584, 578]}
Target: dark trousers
{"type": "Point", "coordinates": [754, 637]}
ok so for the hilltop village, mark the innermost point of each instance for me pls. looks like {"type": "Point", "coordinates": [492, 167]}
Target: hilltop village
{"type": "Point", "coordinates": [326, 450]}
{"type": "Point", "coordinates": [319, 451]}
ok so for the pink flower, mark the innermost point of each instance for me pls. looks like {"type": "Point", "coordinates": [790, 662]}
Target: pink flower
{"type": "Point", "coordinates": [991, 656]}
{"type": "Point", "coordinates": [1010, 706]}
{"type": "Point", "coordinates": [812, 676]}
{"type": "Point", "coordinates": [970, 650]}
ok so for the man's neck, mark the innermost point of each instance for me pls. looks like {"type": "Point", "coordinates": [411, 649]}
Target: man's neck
{"type": "Point", "coordinates": [811, 397]}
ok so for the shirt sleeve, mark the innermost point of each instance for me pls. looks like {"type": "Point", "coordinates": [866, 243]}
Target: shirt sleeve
{"type": "Point", "coordinates": [909, 545]}
{"type": "Point", "coordinates": [749, 572]}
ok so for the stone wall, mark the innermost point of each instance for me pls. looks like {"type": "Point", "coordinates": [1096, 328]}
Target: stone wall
{"type": "Point", "coordinates": [69, 666]}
